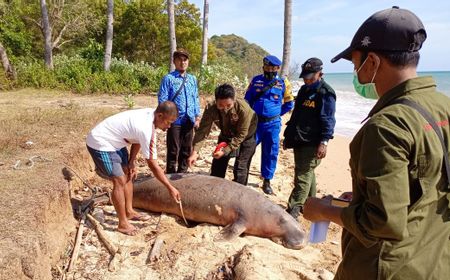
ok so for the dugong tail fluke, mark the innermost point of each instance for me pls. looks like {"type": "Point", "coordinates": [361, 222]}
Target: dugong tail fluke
{"type": "Point", "coordinates": [218, 201]}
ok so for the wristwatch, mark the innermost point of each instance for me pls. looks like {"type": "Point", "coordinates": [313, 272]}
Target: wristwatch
{"type": "Point", "coordinates": [325, 143]}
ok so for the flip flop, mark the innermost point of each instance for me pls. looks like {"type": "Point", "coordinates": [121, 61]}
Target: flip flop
{"type": "Point", "coordinates": [141, 218]}
{"type": "Point", "coordinates": [131, 232]}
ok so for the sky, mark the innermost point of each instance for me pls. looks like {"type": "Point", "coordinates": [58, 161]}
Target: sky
{"type": "Point", "coordinates": [323, 28]}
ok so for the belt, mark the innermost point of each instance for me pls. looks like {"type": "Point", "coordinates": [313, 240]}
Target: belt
{"type": "Point", "coordinates": [262, 119]}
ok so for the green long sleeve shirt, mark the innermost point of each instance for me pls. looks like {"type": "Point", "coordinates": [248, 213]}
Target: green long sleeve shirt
{"type": "Point", "coordinates": [398, 223]}
{"type": "Point", "coordinates": [235, 126]}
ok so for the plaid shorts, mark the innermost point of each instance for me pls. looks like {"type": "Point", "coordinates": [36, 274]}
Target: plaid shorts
{"type": "Point", "coordinates": [109, 164]}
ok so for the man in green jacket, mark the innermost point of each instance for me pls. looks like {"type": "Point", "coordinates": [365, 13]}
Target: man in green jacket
{"type": "Point", "coordinates": [237, 123]}
{"type": "Point", "coordinates": [397, 225]}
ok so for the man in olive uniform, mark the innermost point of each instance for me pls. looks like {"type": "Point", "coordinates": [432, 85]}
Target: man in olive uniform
{"type": "Point", "coordinates": [237, 123]}
{"type": "Point", "coordinates": [397, 225]}
{"type": "Point", "coordinates": [308, 131]}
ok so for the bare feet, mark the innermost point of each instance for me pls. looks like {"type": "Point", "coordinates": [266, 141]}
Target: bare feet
{"type": "Point", "coordinates": [135, 216]}
{"type": "Point", "coordinates": [130, 230]}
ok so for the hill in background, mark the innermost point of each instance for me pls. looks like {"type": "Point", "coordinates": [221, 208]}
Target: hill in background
{"type": "Point", "coordinates": [238, 53]}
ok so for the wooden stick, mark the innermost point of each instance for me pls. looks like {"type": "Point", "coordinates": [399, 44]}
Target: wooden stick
{"type": "Point", "coordinates": [156, 250]}
{"type": "Point", "coordinates": [102, 236]}
{"type": "Point", "coordinates": [78, 239]}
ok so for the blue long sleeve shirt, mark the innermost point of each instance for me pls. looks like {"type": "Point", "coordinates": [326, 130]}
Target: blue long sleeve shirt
{"type": "Point", "coordinates": [187, 101]}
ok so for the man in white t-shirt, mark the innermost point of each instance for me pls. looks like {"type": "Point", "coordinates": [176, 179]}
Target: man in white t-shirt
{"type": "Point", "coordinates": [107, 143]}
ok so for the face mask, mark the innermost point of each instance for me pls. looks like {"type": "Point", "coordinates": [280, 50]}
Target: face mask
{"type": "Point", "coordinates": [270, 75]}
{"type": "Point", "coordinates": [367, 90]}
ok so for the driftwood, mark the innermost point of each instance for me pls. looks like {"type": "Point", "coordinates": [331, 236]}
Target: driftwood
{"type": "Point", "coordinates": [113, 250]}
{"type": "Point", "coordinates": [156, 250]}
{"type": "Point", "coordinates": [78, 239]}
{"type": "Point", "coordinates": [101, 235]}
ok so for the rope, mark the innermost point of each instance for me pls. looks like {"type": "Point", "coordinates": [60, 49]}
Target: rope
{"type": "Point", "coordinates": [30, 162]}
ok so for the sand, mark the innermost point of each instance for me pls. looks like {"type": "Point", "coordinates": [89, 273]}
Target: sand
{"type": "Point", "coordinates": [191, 252]}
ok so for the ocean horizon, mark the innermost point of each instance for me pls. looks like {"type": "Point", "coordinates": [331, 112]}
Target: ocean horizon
{"type": "Point", "coordinates": [352, 109]}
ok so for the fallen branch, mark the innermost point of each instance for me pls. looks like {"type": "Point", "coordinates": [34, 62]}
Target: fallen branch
{"type": "Point", "coordinates": [78, 239]}
{"type": "Point", "coordinates": [156, 250]}
{"type": "Point", "coordinates": [102, 236]}
{"type": "Point", "coordinates": [113, 250]}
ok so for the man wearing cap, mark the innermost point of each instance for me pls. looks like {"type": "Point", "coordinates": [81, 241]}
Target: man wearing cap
{"type": "Point", "coordinates": [181, 88]}
{"type": "Point", "coordinates": [237, 123]}
{"type": "Point", "coordinates": [270, 96]}
{"type": "Point", "coordinates": [397, 226]}
{"type": "Point", "coordinates": [308, 131]}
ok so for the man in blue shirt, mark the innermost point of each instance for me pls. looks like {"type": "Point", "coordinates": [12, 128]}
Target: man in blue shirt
{"type": "Point", "coordinates": [181, 88]}
{"type": "Point", "coordinates": [270, 96]}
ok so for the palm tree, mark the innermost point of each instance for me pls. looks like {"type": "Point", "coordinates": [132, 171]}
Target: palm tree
{"type": "Point", "coordinates": [173, 39]}
{"type": "Point", "coordinates": [109, 35]}
{"type": "Point", "coordinates": [287, 37]}
{"type": "Point", "coordinates": [9, 70]}
{"type": "Point", "coordinates": [47, 31]}
{"type": "Point", "coordinates": [205, 33]}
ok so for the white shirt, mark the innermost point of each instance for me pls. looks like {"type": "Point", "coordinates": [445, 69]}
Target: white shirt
{"type": "Point", "coordinates": [128, 127]}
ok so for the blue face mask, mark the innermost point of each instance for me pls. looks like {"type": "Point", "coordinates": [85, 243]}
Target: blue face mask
{"type": "Point", "coordinates": [367, 90]}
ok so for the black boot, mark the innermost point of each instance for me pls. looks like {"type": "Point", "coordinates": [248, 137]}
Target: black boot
{"type": "Point", "coordinates": [266, 187]}
{"type": "Point", "coordinates": [295, 211]}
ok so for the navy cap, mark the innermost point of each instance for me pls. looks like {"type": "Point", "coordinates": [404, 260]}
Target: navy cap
{"type": "Point", "coordinates": [180, 52]}
{"type": "Point", "coordinates": [271, 60]}
{"type": "Point", "coordinates": [390, 30]}
{"type": "Point", "coordinates": [310, 67]}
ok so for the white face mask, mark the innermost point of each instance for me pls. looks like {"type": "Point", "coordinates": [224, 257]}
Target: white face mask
{"type": "Point", "coordinates": [367, 90]}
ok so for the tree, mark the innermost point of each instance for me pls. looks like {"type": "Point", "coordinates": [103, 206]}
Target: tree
{"type": "Point", "coordinates": [47, 32]}
{"type": "Point", "coordinates": [172, 36]}
{"type": "Point", "coordinates": [9, 70]}
{"type": "Point", "coordinates": [109, 35]}
{"type": "Point", "coordinates": [205, 33]}
{"type": "Point", "coordinates": [287, 37]}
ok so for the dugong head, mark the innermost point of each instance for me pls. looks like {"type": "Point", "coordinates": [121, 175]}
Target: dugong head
{"type": "Point", "coordinates": [294, 236]}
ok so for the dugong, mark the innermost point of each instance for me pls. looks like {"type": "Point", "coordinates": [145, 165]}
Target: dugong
{"type": "Point", "coordinates": [221, 202]}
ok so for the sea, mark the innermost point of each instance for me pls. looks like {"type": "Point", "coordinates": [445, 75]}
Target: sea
{"type": "Point", "coordinates": [352, 109]}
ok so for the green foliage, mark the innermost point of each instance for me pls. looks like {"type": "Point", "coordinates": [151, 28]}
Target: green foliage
{"type": "Point", "coordinates": [140, 46]}
{"type": "Point", "coordinates": [93, 51]}
{"type": "Point", "coordinates": [242, 56]}
{"type": "Point", "coordinates": [86, 76]}
{"type": "Point", "coordinates": [129, 100]}
{"type": "Point", "coordinates": [211, 76]}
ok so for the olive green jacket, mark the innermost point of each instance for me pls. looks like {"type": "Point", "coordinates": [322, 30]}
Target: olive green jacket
{"type": "Point", "coordinates": [236, 125]}
{"type": "Point", "coordinates": [398, 223]}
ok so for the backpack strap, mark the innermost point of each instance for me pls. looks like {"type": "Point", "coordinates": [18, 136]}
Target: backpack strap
{"type": "Point", "coordinates": [429, 118]}
{"type": "Point", "coordinates": [181, 87]}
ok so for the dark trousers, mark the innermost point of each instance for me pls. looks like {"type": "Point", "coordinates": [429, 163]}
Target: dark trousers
{"type": "Point", "coordinates": [179, 147]}
{"type": "Point", "coordinates": [241, 164]}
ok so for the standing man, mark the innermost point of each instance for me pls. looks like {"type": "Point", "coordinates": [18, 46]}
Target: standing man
{"type": "Point", "coordinates": [237, 123]}
{"type": "Point", "coordinates": [397, 225]}
{"type": "Point", "coordinates": [308, 131]}
{"type": "Point", "coordinates": [270, 96]}
{"type": "Point", "coordinates": [107, 143]}
{"type": "Point", "coordinates": [181, 88]}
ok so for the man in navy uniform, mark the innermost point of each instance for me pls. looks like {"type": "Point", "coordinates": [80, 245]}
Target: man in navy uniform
{"type": "Point", "coordinates": [270, 96]}
{"type": "Point", "coordinates": [308, 131]}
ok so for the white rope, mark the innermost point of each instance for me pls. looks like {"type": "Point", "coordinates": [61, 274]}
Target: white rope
{"type": "Point", "coordinates": [30, 162]}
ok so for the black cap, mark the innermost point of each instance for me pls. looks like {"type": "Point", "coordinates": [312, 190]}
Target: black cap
{"type": "Point", "coordinates": [310, 67]}
{"type": "Point", "coordinates": [391, 30]}
{"type": "Point", "coordinates": [180, 52]}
